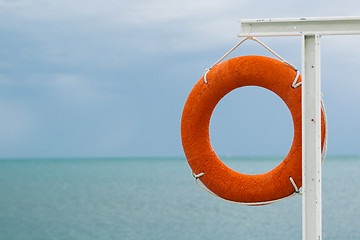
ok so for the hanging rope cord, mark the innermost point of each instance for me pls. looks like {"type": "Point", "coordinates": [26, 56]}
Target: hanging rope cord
{"type": "Point", "coordinates": [294, 85]}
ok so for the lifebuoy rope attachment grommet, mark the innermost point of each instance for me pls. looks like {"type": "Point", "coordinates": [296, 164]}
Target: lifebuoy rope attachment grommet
{"type": "Point", "coordinates": [219, 179]}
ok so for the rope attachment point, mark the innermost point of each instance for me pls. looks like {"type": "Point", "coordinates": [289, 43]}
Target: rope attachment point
{"type": "Point", "coordinates": [205, 73]}
{"type": "Point", "coordinates": [294, 185]}
{"type": "Point", "coordinates": [295, 84]}
{"type": "Point", "coordinates": [197, 176]}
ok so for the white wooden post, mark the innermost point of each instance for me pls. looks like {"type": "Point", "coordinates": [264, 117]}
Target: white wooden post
{"type": "Point", "coordinates": [310, 29]}
{"type": "Point", "coordinates": [311, 138]}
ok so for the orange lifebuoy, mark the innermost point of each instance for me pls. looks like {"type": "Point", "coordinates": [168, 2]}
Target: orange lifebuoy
{"type": "Point", "coordinates": [238, 72]}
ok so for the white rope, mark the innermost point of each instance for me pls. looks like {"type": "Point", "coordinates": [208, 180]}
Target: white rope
{"type": "Point", "coordinates": [196, 176]}
{"type": "Point", "coordinates": [297, 191]}
{"type": "Point", "coordinates": [294, 85]}
{"type": "Point", "coordinates": [294, 185]}
{"type": "Point", "coordinates": [230, 51]}
{"type": "Point", "coordinates": [273, 52]}
{"type": "Point", "coordinates": [205, 73]}
{"type": "Point", "coordinates": [323, 155]}
{"type": "Point", "coordinates": [223, 57]}
{"type": "Point", "coordinates": [241, 203]}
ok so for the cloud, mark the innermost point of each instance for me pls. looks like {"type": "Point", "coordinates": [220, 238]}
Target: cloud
{"type": "Point", "coordinates": [73, 88]}
{"type": "Point", "coordinates": [119, 12]}
{"type": "Point", "coordinates": [148, 25]}
{"type": "Point", "coordinates": [13, 4]}
{"type": "Point", "coordinates": [158, 11]}
{"type": "Point", "coordinates": [17, 124]}
{"type": "Point", "coordinates": [114, 75]}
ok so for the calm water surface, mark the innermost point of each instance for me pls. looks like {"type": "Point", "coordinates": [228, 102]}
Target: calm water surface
{"type": "Point", "coordinates": [150, 198]}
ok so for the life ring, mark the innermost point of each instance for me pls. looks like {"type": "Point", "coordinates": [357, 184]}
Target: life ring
{"type": "Point", "coordinates": [238, 72]}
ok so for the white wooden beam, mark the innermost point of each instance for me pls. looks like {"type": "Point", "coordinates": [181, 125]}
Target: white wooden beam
{"type": "Point", "coordinates": [311, 138]}
{"type": "Point", "coordinates": [300, 26]}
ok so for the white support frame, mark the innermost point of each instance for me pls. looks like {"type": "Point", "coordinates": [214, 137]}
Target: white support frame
{"type": "Point", "coordinates": [311, 30]}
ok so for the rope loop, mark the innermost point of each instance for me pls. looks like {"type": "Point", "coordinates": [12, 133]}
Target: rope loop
{"type": "Point", "coordinates": [205, 73]}
{"type": "Point", "coordinates": [197, 176]}
{"type": "Point", "coordinates": [294, 85]}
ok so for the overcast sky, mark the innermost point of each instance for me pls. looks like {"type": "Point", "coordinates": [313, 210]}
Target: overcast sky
{"type": "Point", "coordinates": [91, 78]}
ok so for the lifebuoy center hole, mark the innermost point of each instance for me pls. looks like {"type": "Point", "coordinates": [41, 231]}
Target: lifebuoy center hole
{"type": "Point", "coordinates": [251, 130]}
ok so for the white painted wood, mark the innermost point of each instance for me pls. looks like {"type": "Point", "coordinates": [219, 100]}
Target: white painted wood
{"type": "Point", "coordinates": [311, 138]}
{"type": "Point", "coordinates": [300, 26]}
{"type": "Point", "coordinates": [311, 29]}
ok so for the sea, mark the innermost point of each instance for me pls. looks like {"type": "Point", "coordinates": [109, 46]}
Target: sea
{"type": "Point", "coordinates": [157, 198]}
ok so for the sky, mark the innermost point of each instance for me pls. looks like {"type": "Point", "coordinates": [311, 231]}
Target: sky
{"type": "Point", "coordinates": [110, 78]}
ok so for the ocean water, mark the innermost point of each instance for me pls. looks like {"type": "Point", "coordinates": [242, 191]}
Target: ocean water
{"type": "Point", "coordinates": [156, 198]}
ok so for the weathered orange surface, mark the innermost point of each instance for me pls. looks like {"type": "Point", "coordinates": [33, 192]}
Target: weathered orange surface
{"type": "Point", "coordinates": [234, 73]}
